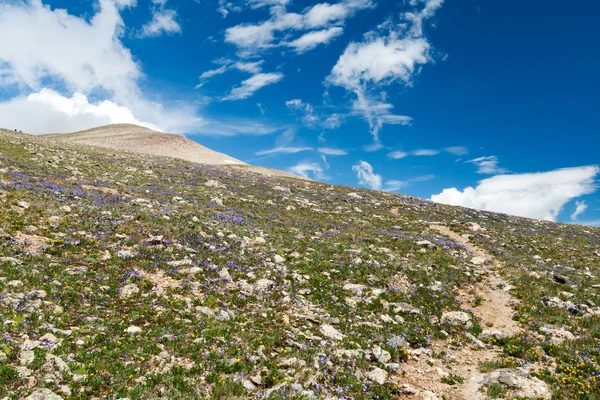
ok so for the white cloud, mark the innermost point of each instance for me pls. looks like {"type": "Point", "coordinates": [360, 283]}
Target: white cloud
{"type": "Point", "coordinates": [366, 176]}
{"type": "Point", "coordinates": [487, 165]}
{"type": "Point", "coordinates": [538, 195]}
{"type": "Point", "coordinates": [308, 170]}
{"type": "Point", "coordinates": [381, 60]}
{"type": "Point", "coordinates": [328, 151]}
{"type": "Point", "coordinates": [253, 84]}
{"type": "Point", "coordinates": [251, 39]}
{"type": "Point", "coordinates": [394, 185]}
{"type": "Point", "coordinates": [397, 155]}
{"type": "Point", "coordinates": [214, 72]}
{"type": "Point", "coordinates": [580, 208]}
{"type": "Point", "coordinates": [163, 22]}
{"type": "Point", "coordinates": [58, 114]}
{"type": "Point", "coordinates": [324, 13]}
{"type": "Point", "coordinates": [283, 150]}
{"type": "Point", "coordinates": [311, 40]}
{"type": "Point", "coordinates": [457, 150]}
{"type": "Point", "coordinates": [425, 152]}
{"type": "Point", "coordinates": [83, 55]}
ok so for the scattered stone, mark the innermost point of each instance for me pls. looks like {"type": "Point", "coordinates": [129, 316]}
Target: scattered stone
{"type": "Point", "coordinates": [331, 332]}
{"type": "Point", "coordinates": [129, 290]}
{"type": "Point", "coordinates": [133, 329]}
{"type": "Point", "coordinates": [519, 384]}
{"type": "Point", "coordinates": [377, 375]}
{"type": "Point", "coordinates": [406, 309]}
{"type": "Point", "coordinates": [381, 355]}
{"type": "Point", "coordinates": [43, 394]}
{"type": "Point", "coordinates": [560, 279]}
{"type": "Point", "coordinates": [355, 288]}
{"type": "Point", "coordinates": [457, 318]}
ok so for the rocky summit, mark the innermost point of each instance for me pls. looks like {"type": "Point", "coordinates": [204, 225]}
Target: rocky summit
{"type": "Point", "coordinates": [131, 276]}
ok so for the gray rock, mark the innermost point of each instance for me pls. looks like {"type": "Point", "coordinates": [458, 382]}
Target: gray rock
{"type": "Point", "coordinates": [383, 356]}
{"type": "Point", "coordinates": [519, 384]}
{"type": "Point", "coordinates": [457, 318]}
{"type": "Point", "coordinates": [377, 375]}
{"type": "Point", "coordinates": [43, 394]}
{"type": "Point", "coordinates": [331, 332]}
{"type": "Point", "coordinates": [406, 309]}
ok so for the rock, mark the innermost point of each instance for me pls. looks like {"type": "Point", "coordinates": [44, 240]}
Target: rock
{"type": "Point", "coordinates": [262, 285]}
{"type": "Point", "coordinates": [406, 309]}
{"type": "Point", "coordinates": [133, 329]}
{"type": "Point", "coordinates": [377, 375]}
{"type": "Point", "coordinates": [282, 189]}
{"type": "Point", "coordinates": [518, 383]}
{"type": "Point", "coordinates": [429, 395]}
{"type": "Point", "coordinates": [457, 318]}
{"type": "Point", "coordinates": [489, 333]}
{"type": "Point", "coordinates": [3, 357]}
{"type": "Point", "coordinates": [26, 357]}
{"type": "Point", "coordinates": [224, 274]}
{"type": "Point", "coordinates": [474, 226]}
{"type": "Point", "coordinates": [331, 332]}
{"type": "Point", "coordinates": [248, 385]}
{"type": "Point", "coordinates": [400, 283]}
{"type": "Point", "coordinates": [278, 259]}
{"type": "Point", "coordinates": [125, 253]}
{"type": "Point", "coordinates": [217, 200]}
{"type": "Point", "coordinates": [354, 196]}
{"type": "Point", "coordinates": [426, 244]}
{"type": "Point", "coordinates": [355, 288]}
{"type": "Point", "coordinates": [50, 341]}
{"type": "Point", "coordinates": [381, 355]}
{"type": "Point", "coordinates": [478, 260]}
{"type": "Point", "coordinates": [23, 204]}
{"type": "Point", "coordinates": [557, 334]}
{"type": "Point", "coordinates": [128, 290]}
{"type": "Point", "coordinates": [43, 394]}
{"type": "Point", "coordinates": [260, 240]}
{"type": "Point", "coordinates": [213, 184]}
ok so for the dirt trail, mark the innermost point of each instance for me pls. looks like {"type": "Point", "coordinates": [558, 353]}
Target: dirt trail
{"type": "Point", "coordinates": [496, 309]}
{"type": "Point", "coordinates": [491, 302]}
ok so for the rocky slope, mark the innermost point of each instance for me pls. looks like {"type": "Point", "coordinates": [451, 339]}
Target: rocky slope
{"type": "Point", "coordinates": [131, 276]}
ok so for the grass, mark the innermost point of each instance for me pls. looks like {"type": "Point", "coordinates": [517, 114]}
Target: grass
{"type": "Point", "coordinates": [207, 334]}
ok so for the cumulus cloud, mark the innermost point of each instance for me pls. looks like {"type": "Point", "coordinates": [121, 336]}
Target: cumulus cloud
{"type": "Point", "coordinates": [487, 165]}
{"type": "Point", "coordinates": [318, 20]}
{"type": "Point", "coordinates": [308, 170]}
{"type": "Point", "coordinates": [540, 195]}
{"type": "Point", "coordinates": [58, 114]}
{"type": "Point", "coordinates": [163, 22]}
{"type": "Point", "coordinates": [384, 58]}
{"type": "Point", "coordinates": [252, 85]}
{"type": "Point", "coordinates": [82, 55]}
{"type": "Point", "coordinates": [366, 176]}
{"type": "Point", "coordinates": [580, 208]}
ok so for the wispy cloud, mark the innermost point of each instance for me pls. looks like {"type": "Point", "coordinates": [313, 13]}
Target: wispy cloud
{"type": "Point", "coordinates": [391, 53]}
{"type": "Point", "coordinates": [283, 150]}
{"type": "Point", "coordinates": [328, 151]}
{"type": "Point", "coordinates": [487, 165]}
{"type": "Point", "coordinates": [454, 150]}
{"type": "Point", "coordinates": [580, 208]}
{"type": "Point", "coordinates": [308, 170]}
{"type": "Point", "coordinates": [252, 85]}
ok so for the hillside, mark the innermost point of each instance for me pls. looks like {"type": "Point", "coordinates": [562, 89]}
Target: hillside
{"type": "Point", "coordinates": [125, 275]}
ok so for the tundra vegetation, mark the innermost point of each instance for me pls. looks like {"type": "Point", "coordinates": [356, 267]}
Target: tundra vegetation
{"type": "Point", "coordinates": [130, 276]}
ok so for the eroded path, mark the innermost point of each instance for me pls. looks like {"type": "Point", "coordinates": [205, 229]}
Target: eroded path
{"type": "Point", "coordinates": [491, 303]}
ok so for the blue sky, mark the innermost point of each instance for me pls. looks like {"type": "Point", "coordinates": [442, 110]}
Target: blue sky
{"type": "Point", "coordinates": [487, 104]}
